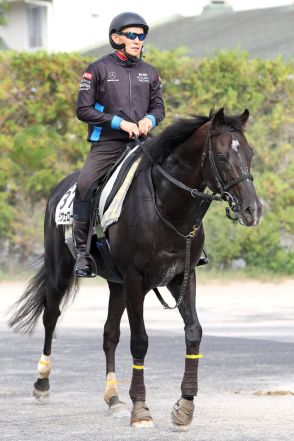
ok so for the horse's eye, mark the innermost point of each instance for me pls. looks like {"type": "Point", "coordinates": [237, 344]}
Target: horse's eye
{"type": "Point", "coordinates": [222, 158]}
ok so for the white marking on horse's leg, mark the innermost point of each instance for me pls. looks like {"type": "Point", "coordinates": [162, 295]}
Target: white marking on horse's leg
{"type": "Point", "coordinates": [116, 406]}
{"type": "Point", "coordinates": [110, 387]}
{"type": "Point", "coordinates": [44, 366]}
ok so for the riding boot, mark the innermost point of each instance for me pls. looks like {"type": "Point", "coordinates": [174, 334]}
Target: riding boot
{"type": "Point", "coordinates": [203, 259]}
{"type": "Point", "coordinates": [83, 266]}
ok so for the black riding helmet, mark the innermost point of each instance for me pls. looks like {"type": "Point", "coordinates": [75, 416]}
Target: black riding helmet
{"type": "Point", "coordinates": [125, 20]}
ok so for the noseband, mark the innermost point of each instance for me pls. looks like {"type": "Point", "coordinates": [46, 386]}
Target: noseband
{"type": "Point", "coordinates": [221, 185]}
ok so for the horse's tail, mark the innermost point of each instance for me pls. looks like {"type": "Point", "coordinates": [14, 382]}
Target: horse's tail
{"type": "Point", "coordinates": [48, 281]}
{"type": "Point", "coordinates": [30, 305]}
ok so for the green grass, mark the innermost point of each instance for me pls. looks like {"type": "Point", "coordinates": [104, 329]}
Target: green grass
{"type": "Point", "coordinates": [208, 275]}
{"type": "Point", "coordinates": [205, 275]}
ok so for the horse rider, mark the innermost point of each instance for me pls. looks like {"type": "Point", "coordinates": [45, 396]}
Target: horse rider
{"type": "Point", "coordinates": [116, 84]}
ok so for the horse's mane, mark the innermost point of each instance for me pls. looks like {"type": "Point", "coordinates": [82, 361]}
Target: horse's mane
{"type": "Point", "coordinates": [162, 145]}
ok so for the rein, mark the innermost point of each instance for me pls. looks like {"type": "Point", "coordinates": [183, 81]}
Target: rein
{"type": "Point", "coordinates": [223, 194]}
{"type": "Point", "coordinates": [207, 199]}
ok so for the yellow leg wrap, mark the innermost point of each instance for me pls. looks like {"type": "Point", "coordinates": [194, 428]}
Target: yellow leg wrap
{"type": "Point", "coordinates": [137, 366]}
{"type": "Point", "coordinates": [111, 382]}
{"type": "Point", "coordinates": [194, 356]}
{"type": "Point", "coordinates": [44, 366]}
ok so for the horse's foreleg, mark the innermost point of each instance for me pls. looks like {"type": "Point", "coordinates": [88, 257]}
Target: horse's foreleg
{"type": "Point", "coordinates": [111, 336]}
{"type": "Point", "coordinates": [183, 410]}
{"type": "Point", "coordinates": [134, 295]}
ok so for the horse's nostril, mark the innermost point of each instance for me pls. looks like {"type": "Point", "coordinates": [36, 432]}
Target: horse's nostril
{"type": "Point", "coordinates": [249, 210]}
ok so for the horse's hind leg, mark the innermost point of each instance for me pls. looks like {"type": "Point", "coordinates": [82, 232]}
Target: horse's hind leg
{"type": "Point", "coordinates": [58, 283]}
{"type": "Point", "coordinates": [111, 336]}
{"type": "Point", "coordinates": [183, 410]}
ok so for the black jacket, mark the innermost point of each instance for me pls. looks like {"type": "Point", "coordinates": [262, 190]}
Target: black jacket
{"type": "Point", "coordinates": [110, 85]}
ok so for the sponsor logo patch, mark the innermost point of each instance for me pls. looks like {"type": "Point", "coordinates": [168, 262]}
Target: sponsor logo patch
{"type": "Point", "coordinates": [88, 75]}
{"type": "Point", "coordinates": [143, 77]}
{"type": "Point", "coordinates": [85, 84]}
{"type": "Point", "coordinates": [112, 77]}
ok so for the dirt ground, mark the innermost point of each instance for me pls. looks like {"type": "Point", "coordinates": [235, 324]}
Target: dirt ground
{"type": "Point", "coordinates": [248, 309]}
{"type": "Point", "coordinates": [246, 388]}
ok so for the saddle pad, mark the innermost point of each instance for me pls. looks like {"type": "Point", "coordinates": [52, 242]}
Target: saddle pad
{"type": "Point", "coordinates": [64, 209]}
{"type": "Point", "coordinates": [106, 191]}
{"type": "Point", "coordinates": [112, 213]}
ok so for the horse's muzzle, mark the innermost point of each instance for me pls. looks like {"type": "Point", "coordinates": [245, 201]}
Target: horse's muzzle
{"type": "Point", "coordinates": [250, 212]}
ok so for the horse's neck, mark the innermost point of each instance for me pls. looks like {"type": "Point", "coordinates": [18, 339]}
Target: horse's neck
{"type": "Point", "coordinates": [184, 164]}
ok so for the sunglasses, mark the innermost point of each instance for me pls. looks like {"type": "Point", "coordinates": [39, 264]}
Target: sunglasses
{"type": "Point", "coordinates": [133, 35]}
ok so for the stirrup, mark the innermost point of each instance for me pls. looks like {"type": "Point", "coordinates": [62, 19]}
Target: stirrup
{"type": "Point", "coordinates": [93, 266]}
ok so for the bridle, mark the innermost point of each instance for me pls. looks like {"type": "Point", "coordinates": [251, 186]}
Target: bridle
{"type": "Point", "coordinates": [222, 193]}
{"type": "Point", "coordinates": [220, 184]}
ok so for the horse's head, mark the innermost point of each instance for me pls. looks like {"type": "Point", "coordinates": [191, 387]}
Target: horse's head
{"type": "Point", "coordinates": [228, 170]}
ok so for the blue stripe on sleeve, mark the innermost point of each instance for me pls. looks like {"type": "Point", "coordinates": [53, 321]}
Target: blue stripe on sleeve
{"type": "Point", "coordinates": [95, 136]}
{"type": "Point", "coordinates": [115, 122]}
{"type": "Point", "coordinates": [99, 107]}
{"type": "Point", "coordinates": [152, 118]}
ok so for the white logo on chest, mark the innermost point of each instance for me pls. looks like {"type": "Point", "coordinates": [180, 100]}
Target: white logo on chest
{"type": "Point", "coordinates": [143, 77]}
{"type": "Point", "coordinates": [112, 77]}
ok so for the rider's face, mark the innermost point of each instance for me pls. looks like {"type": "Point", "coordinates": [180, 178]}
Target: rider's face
{"type": "Point", "coordinates": [132, 47]}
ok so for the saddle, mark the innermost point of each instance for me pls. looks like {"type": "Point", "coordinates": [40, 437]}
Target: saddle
{"type": "Point", "coordinates": [105, 210]}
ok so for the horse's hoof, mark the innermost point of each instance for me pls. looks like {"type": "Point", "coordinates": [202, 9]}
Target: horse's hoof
{"type": "Point", "coordinates": [41, 390]}
{"type": "Point", "coordinates": [118, 408]}
{"type": "Point", "coordinates": [179, 428]}
{"type": "Point", "coordinates": [42, 397]}
{"type": "Point", "coordinates": [140, 416]}
{"type": "Point", "coordinates": [143, 423]}
{"type": "Point", "coordinates": [182, 414]}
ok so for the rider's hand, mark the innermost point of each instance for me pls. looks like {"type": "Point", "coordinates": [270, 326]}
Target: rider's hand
{"type": "Point", "coordinates": [145, 125]}
{"type": "Point", "coordinates": [129, 127]}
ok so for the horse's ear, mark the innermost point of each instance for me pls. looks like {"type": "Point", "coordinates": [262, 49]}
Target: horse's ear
{"type": "Point", "coordinates": [218, 119]}
{"type": "Point", "coordinates": [244, 116]}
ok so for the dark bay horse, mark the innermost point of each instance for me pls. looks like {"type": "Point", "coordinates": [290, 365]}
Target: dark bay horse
{"type": "Point", "coordinates": [149, 247]}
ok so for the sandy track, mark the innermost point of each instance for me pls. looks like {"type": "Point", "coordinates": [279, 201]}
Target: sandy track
{"type": "Point", "coordinates": [246, 309]}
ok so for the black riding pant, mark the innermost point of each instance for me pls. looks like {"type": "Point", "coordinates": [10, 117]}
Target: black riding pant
{"type": "Point", "coordinates": [102, 155]}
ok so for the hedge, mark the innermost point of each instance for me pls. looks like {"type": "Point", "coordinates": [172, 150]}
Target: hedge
{"type": "Point", "coordinates": [42, 141]}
